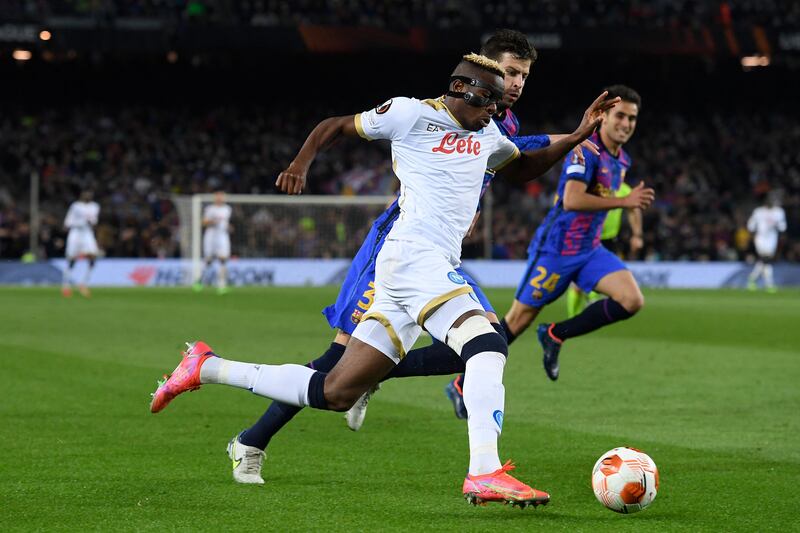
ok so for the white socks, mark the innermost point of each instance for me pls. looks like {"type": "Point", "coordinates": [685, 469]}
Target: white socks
{"type": "Point", "coordinates": [284, 383]}
{"type": "Point", "coordinates": [762, 269]}
{"type": "Point", "coordinates": [756, 273]}
{"type": "Point", "coordinates": [224, 372]}
{"type": "Point", "coordinates": [768, 281]}
{"type": "Point", "coordinates": [222, 275]}
{"type": "Point", "coordinates": [66, 281]}
{"type": "Point", "coordinates": [87, 274]}
{"type": "Point", "coordinates": [204, 272]}
{"type": "Point", "coordinates": [484, 397]}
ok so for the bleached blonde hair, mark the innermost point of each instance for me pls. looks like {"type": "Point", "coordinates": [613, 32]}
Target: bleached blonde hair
{"type": "Point", "coordinates": [485, 63]}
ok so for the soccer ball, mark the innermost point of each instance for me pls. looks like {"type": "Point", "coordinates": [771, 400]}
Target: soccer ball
{"type": "Point", "coordinates": [625, 480]}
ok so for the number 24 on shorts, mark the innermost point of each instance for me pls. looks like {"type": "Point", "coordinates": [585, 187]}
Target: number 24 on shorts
{"type": "Point", "coordinates": [549, 284]}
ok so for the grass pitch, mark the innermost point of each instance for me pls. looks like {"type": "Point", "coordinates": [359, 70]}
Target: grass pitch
{"type": "Point", "coordinates": [705, 382]}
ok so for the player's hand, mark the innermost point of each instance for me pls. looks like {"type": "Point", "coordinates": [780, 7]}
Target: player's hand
{"type": "Point", "coordinates": [593, 115]}
{"type": "Point", "coordinates": [578, 153]}
{"type": "Point", "coordinates": [640, 197]}
{"type": "Point", "coordinates": [292, 180]}
{"type": "Point", "coordinates": [589, 145]}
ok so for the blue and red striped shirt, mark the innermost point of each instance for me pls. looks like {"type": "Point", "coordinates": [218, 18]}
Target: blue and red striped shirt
{"type": "Point", "coordinates": [577, 232]}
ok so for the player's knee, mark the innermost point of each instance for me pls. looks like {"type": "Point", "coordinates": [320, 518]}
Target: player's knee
{"type": "Point", "coordinates": [476, 335]}
{"type": "Point", "coordinates": [633, 302]}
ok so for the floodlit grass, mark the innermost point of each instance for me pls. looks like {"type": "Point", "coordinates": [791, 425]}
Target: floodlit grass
{"type": "Point", "coordinates": [705, 382]}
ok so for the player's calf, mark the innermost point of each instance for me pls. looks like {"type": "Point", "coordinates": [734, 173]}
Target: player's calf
{"type": "Point", "coordinates": [361, 367]}
{"type": "Point", "coordinates": [484, 351]}
{"type": "Point", "coordinates": [519, 318]}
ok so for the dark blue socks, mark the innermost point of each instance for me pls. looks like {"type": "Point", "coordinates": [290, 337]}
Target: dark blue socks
{"type": "Point", "coordinates": [595, 316]}
{"type": "Point", "coordinates": [510, 337]}
{"type": "Point", "coordinates": [438, 359]}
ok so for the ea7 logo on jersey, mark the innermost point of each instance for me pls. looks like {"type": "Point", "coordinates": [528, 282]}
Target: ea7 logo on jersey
{"type": "Point", "coordinates": [383, 108]}
{"type": "Point", "coordinates": [451, 143]}
{"type": "Point", "coordinates": [434, 128]}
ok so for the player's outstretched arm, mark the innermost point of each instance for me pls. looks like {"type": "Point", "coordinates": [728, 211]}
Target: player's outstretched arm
{"type": "Point", "coordinates": [577, 199]}
{"type": "Point", "coordinates": [293, 179]}
{"type": "Point", "coordinates": [532, 164]}
{"type": "Point", "coordinates": [589, 145]}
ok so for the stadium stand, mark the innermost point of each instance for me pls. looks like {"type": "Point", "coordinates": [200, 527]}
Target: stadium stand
{"type": "Point", "coordinates": [708, 171]}
{"type": "Point", "coordinates": [400, 14]}
{"type": "Point", "coordinates": [201, 126]}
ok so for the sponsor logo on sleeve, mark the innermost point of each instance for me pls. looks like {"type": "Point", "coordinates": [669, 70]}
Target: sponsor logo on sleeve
{"type": "Point", "coordinates": [384, 107]}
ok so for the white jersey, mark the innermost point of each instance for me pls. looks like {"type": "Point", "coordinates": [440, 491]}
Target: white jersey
{"type": "Point", "coordinates": [766, 223]}
{"type": "Point", "coordinates": [82, 215]}
{"type": "Point", "coordinates": [216, 240]}
{"type": "Point", "coordinates": [440, 166]}
{"type": "Point", "coordinates": [219, 217]}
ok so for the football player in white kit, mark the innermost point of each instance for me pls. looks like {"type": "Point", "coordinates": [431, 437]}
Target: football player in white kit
{"type": "Point", "coordinates": [81, 218]}
{"type": "Point", "coordinates": [216, 241]}
{"type": "Point", "coordinates": [441, 149]}
{"type": "Point", "coordinates": [766, 222]}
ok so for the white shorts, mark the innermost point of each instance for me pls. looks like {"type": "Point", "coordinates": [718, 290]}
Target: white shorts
{"type": "Point", "coordinates": [80, 242]}
{"type": "Point", "coordinates": [766, 246]}
{"type": "Point", "coordinates": [411, 281]}
{"type": "Point", "coordinates": [216, 244]}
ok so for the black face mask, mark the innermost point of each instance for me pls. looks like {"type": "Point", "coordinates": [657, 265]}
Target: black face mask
{"type": "Point", "coordinates": [473, 99]}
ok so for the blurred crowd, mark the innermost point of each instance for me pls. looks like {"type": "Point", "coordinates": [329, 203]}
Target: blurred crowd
{"type": "Point", "coordinates": [709, 172]}
{"type": "Point", "coordinates": [400, 14]}
{"type": "Point", "coordinates": [136, 159]}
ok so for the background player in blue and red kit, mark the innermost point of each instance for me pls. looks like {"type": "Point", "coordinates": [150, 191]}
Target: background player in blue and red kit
{"type": "Point", "coordinates": [566, 247]}
{"type": "Point", "coordinates": [515, 54]}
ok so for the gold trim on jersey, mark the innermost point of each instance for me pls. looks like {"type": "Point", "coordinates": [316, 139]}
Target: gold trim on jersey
{"type": "Point", "coordinates": [513, 156]}
{"type": "Point", "coordinates": [389, 329]}
{"type": "Point", "coordinates": [434, 103]}
{"type": "Point", "coordinates": [359, 127]}
{"type": "Point", "coordinates": [439, 300]}
{"type": "Point", "coordinates": [438, 104]}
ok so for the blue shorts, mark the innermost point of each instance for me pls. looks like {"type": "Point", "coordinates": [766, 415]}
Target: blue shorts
{"type": "Point", "coordinates": [549, 275]}
{"type": "Point", "coordinates": [358, 290]}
